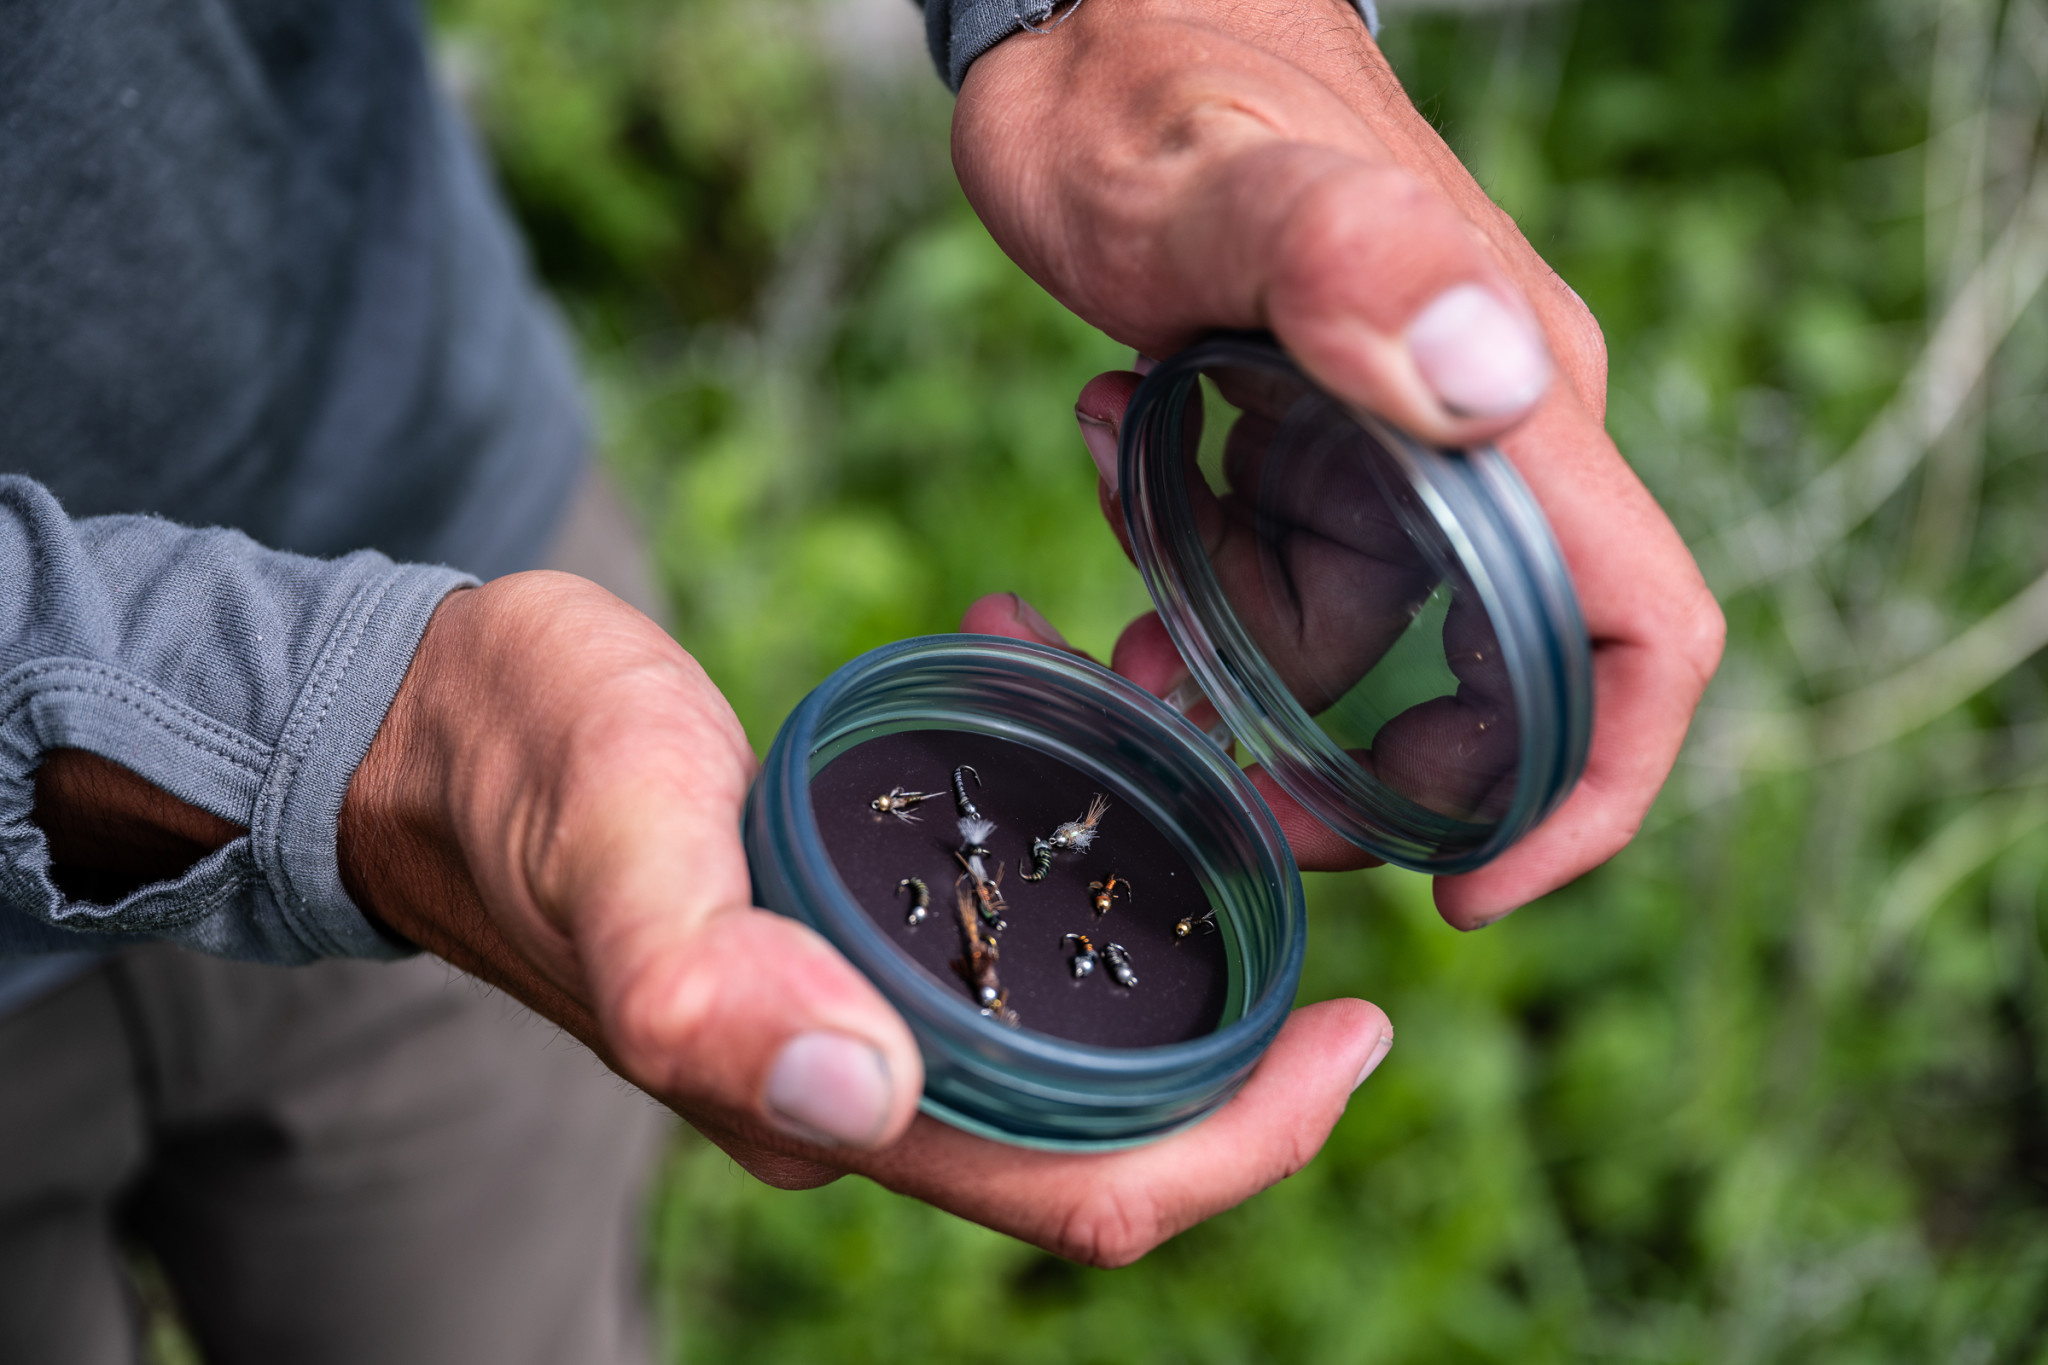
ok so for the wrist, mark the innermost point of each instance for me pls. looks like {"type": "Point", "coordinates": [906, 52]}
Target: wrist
{"type": "Point", "coordinates": [407, 838]}
{"type": "Point", "coordinates": [395, 840]}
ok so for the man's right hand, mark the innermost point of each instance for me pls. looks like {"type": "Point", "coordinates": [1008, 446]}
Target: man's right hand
{"type": "Point", "coordinates": [554, 804]}
{"type": "Point", "coordinates": [1167, 168]}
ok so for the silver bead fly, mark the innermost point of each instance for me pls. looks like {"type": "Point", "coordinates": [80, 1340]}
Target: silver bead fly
{"type": "Point", "coordinates": [920, 898]}
{"type": "Point", "coordinates": [977, 967]}
{"type": "Point", "coordinates": [1084, 960]}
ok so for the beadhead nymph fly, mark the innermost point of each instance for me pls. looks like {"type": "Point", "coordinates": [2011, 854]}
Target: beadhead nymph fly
{"type": "Point", "coordinates": [986, 891]}
{"type": "Point", "coordinates": [1084, 960]}
{"type": "Point", "coordinates": [1075, 835]}
{"type": "Point", "coordinates": [978, 967]}
{"type": "Point", "coordinates": [920, 898]}
{"type": "Point", "coordinates": [1101, 892]}
{"type": "Point", "coordinates": [961, 801]}
{"type": "Point", "coordinates": [1041, 861]}
{"type": "Point", "coordinates": [900, 803]}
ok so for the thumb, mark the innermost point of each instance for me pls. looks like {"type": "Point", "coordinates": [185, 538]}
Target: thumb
{"type": "Point", "coordinates": [1375, 283]}
{"type": "Point", "coordinates": [746, 1014]}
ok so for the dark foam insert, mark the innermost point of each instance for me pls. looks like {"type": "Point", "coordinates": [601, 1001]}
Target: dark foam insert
{"type": "Point", "coordinates": [1182, 982]}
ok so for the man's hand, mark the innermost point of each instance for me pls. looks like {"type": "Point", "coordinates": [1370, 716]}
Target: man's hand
{"type": "Point", "coordinates": [554, 804]}
{"type": "Point", "coordinates": [1170, 167]}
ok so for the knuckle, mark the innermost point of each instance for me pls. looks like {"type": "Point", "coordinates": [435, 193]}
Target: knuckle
{"type": "Point", "coordinates": [1704, 635]}
{"type": "Point", "coordinates": [1677, 621]}
{"type": "Point", "coordinates": [1584, 327]}
{"type": "Point", "coordinates": [1622, 826]}
{"type": "Point", "coordinates": [1109, 1229]}
{"type": "Point", "coordinates": [1344, 214]}
{"type": "Point", "coordinates": [653, 1021]}
{"type": "Point", "coordinates": [638, 1032]}
{"type": "Point", "coordinates": [1302, 1147]}
{"type": "Point", "coordinates": [1588, 342]}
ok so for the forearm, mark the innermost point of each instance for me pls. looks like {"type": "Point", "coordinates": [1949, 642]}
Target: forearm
{"type": "Point", "coordinates": [111, 833]}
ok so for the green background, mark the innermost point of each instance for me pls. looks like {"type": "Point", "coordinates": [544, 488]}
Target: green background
{"type": "Point", "coordinates": [1768, 1087]}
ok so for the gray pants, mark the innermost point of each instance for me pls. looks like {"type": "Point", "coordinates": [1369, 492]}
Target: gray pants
{"type": "Point", "coordinates": [348, 1162]}
{"type": "Point", "coordinates": [343, 1164]}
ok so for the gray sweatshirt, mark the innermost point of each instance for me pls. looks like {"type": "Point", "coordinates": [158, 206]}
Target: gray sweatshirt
{"type": "Point", "coordinates": [255, 277]}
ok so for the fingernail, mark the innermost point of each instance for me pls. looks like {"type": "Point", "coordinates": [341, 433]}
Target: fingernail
{"type": "Point", "coordinates": [1029, 617]}
{"type": "Point", "coordinates": [1481, 358]}
{"type": "Point", "coordinates": [1487, 921]}
{"type": "Point", "coordinates": [830, 1088]}
{"type": "Point", "coordinates": [1379, 1054]}
{"type": "Point", "coordinates": [1142, 363]}
{"type": "Point", "coordinates": [1100, 438]}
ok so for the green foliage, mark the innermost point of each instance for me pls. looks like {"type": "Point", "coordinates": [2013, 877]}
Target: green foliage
{"type": "Point", "coordinates": [842, 410]}
{"type": "Point", "coordinates": [1767, 1088]}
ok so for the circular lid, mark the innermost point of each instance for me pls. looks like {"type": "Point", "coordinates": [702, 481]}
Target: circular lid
{"type": "Point", "coordinates": [1388, 628]}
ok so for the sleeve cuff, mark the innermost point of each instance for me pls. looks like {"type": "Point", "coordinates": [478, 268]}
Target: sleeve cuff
{"type": "Point", "coordinates": [336, 716]}
{"type": "Point", "coordinates": [958, 31]}
{"type": "Point", "coordinates": [274, 896]}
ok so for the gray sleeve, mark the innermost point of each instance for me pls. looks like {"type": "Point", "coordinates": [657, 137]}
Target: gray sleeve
{"type": "Point", "coordinates": [242, 680]}
{"type": "Point", "coordinates": [958, 31]}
